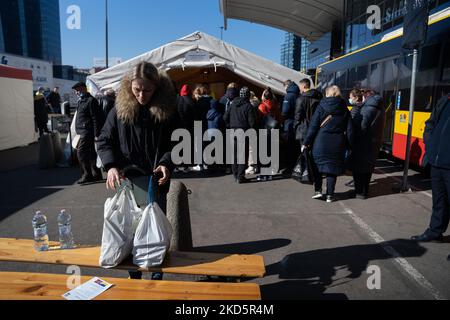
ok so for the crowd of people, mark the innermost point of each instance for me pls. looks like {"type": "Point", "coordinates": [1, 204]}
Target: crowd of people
{"type": "Point", "coordinates": [322, 137]}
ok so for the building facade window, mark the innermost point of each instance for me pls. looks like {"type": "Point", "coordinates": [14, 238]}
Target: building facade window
{"type": "Point", "coordinates": [358, 35]}
{"type": "Point", "coordinates": [31, 28]}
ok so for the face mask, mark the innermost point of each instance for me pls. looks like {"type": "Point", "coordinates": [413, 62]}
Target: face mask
{"type": "Point", "coordinates": [350, 101]}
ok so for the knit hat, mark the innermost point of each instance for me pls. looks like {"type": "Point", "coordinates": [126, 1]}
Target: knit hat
{"type": "Point", "coordinates": [245, 93]}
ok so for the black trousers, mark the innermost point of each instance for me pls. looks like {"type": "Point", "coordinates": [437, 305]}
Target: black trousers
{"type": "Point", "coordinates": [87, 157]}
{"type": "Point", "coordinates": [239, 169]}
{"type": "Point", "coordinates": [440, 184]}
{"type": "Point", "coordinates": [362, 183]}
{"type": "Point", "coordinates": [318, 181]}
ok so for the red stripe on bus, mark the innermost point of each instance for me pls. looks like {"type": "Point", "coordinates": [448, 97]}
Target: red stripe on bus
{"type": "Point", "coordinates": [417, 148]}
{"type": "Point", "coordinates": [14, 73]}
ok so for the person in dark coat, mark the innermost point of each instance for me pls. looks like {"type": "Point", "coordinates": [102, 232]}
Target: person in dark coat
{"type": "Point", "coordinates": [202, 104]}
{"type": "Point", "coordinates": [107, 103]}
{"type": "Point", "coordinates": [41, 112]}
{"type": "Point", "coordinates": [368, 121]}
{"type": "Point", "coordinates": [87, 125]}
{"type": "Point", "coordinates": [186, 108]}
{"type": "Point", "coordinates": [241, 115]}
{"type": "Point", "coordinates": [231, 94]}
{"type": "Point", "coordinates": [216, 122]}
{"type": "Point", "coordinates": [305, 107]}
{"type": "Point", "coordinates": [138, 131]}
{"type": "Point", "coordinates": [215, 116]}
{"type": "Point", "coordinates": [330, 135]}
{"type": "Point", "coordinates": [288, 115]}
{"type": "Point", "coordinates": [54, 99]}
{"type": "Point", "coordinates": [436, 137]}
{"type": "Point", "coordinates": [141, 123]}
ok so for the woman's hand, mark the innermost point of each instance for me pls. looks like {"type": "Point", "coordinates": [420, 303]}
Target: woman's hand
{"type": "Point", "coordinates": [165, 175]}
{"type": "Point", "coordinates": [113, 178]}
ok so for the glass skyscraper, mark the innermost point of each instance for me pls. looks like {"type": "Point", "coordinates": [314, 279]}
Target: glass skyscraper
{"type": "Point", "coordinates": [295, 52]}
{"type": "Point", "coordinates": [291, 51]}
{"type": "Point", "coordinates": [31, 28]}
{"type": "Point", "coordinates": [2, 41]}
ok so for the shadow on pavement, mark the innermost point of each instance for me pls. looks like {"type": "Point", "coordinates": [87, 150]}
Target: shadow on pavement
{"type": "Point", "coordinates": [308, 275]}
{"type": "Point", "coordinates": [254, 247]}
{"type": "Point", "coordinates": [21, 188]}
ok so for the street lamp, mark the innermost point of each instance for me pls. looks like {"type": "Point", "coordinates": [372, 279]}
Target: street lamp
{"type": "Point", "coordinates": [106, 32]}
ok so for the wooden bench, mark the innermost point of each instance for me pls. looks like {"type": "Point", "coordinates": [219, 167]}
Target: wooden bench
{"type": "Point", "coordinates": [50, 286]}
{"type": "Point", "coordinates": [26, 286]}
{"type": "Point", "coordinates": [187, 263]}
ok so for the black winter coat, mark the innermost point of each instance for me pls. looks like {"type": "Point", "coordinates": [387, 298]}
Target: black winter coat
{"type": "Point", "coordinates": [40, 110]}
{"type": "Point", "coordinates": [241, 115]}
{"type": "Point", "coordinates": [330, 143]}
{"type": "Point", "coordinates": [228, 98]}
{"type": "Point", "coordinates": [437, 135]}
{"type": "Point", "coordinates": [121, 144]}
{"type": "Point", "coordinates": [107, 103]}
{"type": "Point", "coordinates": [368, 122]}
{"type": "Point", "coordinates": [89, 116]}
{"type": "Point", "coordinates": [215, 116]}
{"type": "Point", "coordinates": [290, 99]}
{"type": "Point", "coordinates": [305, 107]}
{"type": "Point", "coordinates": [186, 112]}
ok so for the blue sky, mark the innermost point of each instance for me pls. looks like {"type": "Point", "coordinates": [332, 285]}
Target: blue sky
{"type": "Point", "coordinates": [137, 26]}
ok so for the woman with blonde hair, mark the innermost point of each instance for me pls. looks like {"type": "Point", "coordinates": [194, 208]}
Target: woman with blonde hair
{"type": "Point", "coordinates": [329, 136]}
{"type": "Point", "coordinates": [138, 129]}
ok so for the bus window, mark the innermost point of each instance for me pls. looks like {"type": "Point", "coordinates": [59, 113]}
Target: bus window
{"type": "Point", "coordinates": [427, 76]}
{"type": "Point", "coordinates": [443, 86]}
{"type": "Point", "coordinates": [357, 77]}
{"type": "Point", "coordinates": [390, 78]}
{"type": "Point", "coordinates": [404, 83]}
{"type": "Point", "coordinates": [341, 80]}
{"type": "Point", "coordinates": [376, 77]}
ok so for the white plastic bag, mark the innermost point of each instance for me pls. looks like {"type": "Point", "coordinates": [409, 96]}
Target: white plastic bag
{"type": "Point", "coordinates": [120, 222]}
{"type": "Point", "coordinates": [152, 238]}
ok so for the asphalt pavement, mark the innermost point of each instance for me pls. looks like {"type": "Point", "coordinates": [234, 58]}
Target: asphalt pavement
{"type": "Point", "coordinates": [350, 249]}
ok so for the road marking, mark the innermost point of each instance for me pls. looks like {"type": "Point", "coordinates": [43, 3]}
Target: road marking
{"type": "Point", "coordinates": [397, 179]}
{"type": "Point", "coordinates": [403, 263]}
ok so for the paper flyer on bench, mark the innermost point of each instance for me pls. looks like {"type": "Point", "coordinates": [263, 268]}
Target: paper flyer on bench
{"type": "Point", "coordinates": [88, 290]}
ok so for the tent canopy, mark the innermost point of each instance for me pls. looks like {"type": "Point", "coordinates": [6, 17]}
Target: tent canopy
{"type": "Point", "coordinates": [201, 58]}
{"type": "Point", "coordinates": [310, 19]}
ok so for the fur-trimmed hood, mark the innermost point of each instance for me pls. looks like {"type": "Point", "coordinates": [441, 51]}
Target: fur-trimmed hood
{"type": "Point", "coordinates": [163, 104]}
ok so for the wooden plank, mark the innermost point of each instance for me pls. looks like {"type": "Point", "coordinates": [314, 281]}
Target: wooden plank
{"type": "Point", "coordinates": [193, 263]}
{"type": "Point", "coordinates": [32, 286]}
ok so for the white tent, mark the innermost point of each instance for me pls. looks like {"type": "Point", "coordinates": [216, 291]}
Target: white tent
{"type": "Point", "coordinates": [201, 58]}
{"type": "Point", "coordinates": [16, 108]}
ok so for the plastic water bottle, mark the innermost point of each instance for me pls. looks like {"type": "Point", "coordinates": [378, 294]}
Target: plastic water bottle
{"type": "Point", "coordinates": [65, 230]}
{"type": "Point", "coordinates": [40, 231]}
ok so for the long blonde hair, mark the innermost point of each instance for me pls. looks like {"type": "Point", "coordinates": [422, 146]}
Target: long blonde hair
{"type": "Point", "coordinates": [163, 102]}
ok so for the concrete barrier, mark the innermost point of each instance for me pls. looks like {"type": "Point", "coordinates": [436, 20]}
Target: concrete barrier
{"type": "Point", "coordinates": [46, 152]}
{"type": "Point", "coordinates": [57, 147]}
{"type": "Point", "coordinates": [179, 216]}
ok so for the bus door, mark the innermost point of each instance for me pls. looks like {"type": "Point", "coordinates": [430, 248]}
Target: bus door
{"type": "Point", "coordinates": [383, 78]}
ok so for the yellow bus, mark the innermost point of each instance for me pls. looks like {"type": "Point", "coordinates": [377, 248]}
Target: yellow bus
{"type": "Point", "coordinates": [386, 68]}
